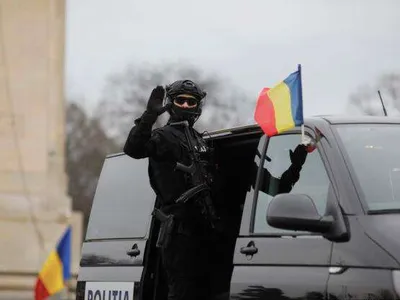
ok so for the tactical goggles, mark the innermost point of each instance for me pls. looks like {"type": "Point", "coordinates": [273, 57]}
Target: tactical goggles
{"type": "Point", "coordinates": [180, 100]}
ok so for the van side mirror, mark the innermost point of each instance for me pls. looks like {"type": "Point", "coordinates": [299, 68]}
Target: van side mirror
{"type": "Point", "coordinates": [297, 212]}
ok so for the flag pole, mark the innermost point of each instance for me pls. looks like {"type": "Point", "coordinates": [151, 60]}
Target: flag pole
{"type": "Point", "coordinates": [303, 137]}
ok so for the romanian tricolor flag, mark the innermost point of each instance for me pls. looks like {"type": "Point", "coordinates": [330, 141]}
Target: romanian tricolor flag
{"type": "Point", "coordinates": [56, 269]}
{"type": "Point", "coordinates": [281, 107]}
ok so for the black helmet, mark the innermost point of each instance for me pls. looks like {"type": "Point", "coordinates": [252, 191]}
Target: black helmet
{"type": "Point", "coordinates": [188, 88]}
{"type": "Point", "coordinates": [185, 87]}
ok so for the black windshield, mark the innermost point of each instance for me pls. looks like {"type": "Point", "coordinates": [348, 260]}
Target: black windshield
{"type": "Point", "coordinates": [374, 153]}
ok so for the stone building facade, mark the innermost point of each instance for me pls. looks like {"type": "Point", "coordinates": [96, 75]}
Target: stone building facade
{"type": "Point", "coordinates": [34, 206]}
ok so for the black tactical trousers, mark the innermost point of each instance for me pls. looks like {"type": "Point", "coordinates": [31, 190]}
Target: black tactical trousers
{"type": "Point", "coordinates": [187, 264]}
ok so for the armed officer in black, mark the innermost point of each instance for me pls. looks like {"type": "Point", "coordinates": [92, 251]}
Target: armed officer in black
{"type": "Point", "coordinates": [185, 257]}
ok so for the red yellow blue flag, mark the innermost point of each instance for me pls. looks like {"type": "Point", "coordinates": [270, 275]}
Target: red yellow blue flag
{"type": "Point", "coordinates": [281, 108]}
{"type": "Point", "coordinates": [56, 269]}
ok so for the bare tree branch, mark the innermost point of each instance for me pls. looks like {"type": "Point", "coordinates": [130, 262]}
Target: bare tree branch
{"type": "Point", "coordinates": [86, 147]}
{"type": "Point", "coordinates": [126, 93]}
{"type": "Point", "coordinates": [366, 99]}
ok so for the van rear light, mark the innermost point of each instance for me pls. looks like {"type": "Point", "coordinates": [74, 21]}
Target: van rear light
{"type": "Point", "coordinates": [396, 281]}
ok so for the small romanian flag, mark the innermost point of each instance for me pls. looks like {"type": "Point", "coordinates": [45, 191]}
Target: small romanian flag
{"type": "Point", "coordinates": [281, 107]}
{"type": "Point", "coordinates": [56, 269]}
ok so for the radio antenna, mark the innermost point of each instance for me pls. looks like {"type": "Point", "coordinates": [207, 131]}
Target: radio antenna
{"type": "Point", "coordinates": [383, 105]}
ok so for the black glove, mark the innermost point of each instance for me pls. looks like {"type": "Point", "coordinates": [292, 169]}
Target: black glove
{"type": "Point", "coordinates": [299, 155]}
{"type": "Point", "coordinates": [155, 103]}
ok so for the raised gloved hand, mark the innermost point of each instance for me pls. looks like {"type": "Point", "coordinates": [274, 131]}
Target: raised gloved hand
{"type": "Point", "coordinates": [299, 155]}
{"type": "Point", "coordinates": [155, 102]}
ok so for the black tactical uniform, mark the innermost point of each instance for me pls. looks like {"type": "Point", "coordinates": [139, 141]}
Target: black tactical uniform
{"type": "Point", "coordinates": [186, 255]}
{"type": "Point", "coordinates": [274, 186]}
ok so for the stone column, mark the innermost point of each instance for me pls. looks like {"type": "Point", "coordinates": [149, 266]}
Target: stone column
{"type": "Point", "coordinates": [34, 206]}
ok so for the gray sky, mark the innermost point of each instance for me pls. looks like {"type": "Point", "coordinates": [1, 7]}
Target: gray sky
{"type": "Point", "coordinates": [341, 44]}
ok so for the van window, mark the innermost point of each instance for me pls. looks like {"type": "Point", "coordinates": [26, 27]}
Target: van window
{"type": "Point", "coordinates": [373, 152]}
{"type": "Point", "coordinates": [123, 201]}
{"type": "Point", "coordinates": [313, 181]}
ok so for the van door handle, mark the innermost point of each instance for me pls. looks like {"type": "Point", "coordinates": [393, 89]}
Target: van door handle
{"type": "Point", "coordinates": [250, 249]}
{"type": "Point", "coordinates": [134, 251]}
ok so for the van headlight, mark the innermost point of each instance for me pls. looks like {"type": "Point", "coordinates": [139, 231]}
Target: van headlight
{"type": "Point", "coordinates": [396, 281]}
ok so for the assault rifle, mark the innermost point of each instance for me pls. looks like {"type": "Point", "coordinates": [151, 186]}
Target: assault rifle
{"type": "Point", "coordinates": [200, 181]}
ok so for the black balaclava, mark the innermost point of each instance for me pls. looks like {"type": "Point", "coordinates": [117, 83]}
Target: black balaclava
{"type": "Point", "coordinates": [190, 114]}
{"type": "Point", "coordinates": [184, 89]}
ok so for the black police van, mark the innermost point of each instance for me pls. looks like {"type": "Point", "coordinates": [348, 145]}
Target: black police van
{"type": "Point", "coordinates": [336, 235]}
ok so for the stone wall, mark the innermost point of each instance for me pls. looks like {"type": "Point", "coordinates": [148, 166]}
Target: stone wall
{"type": "Point", "coordinates": [34, 206]}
